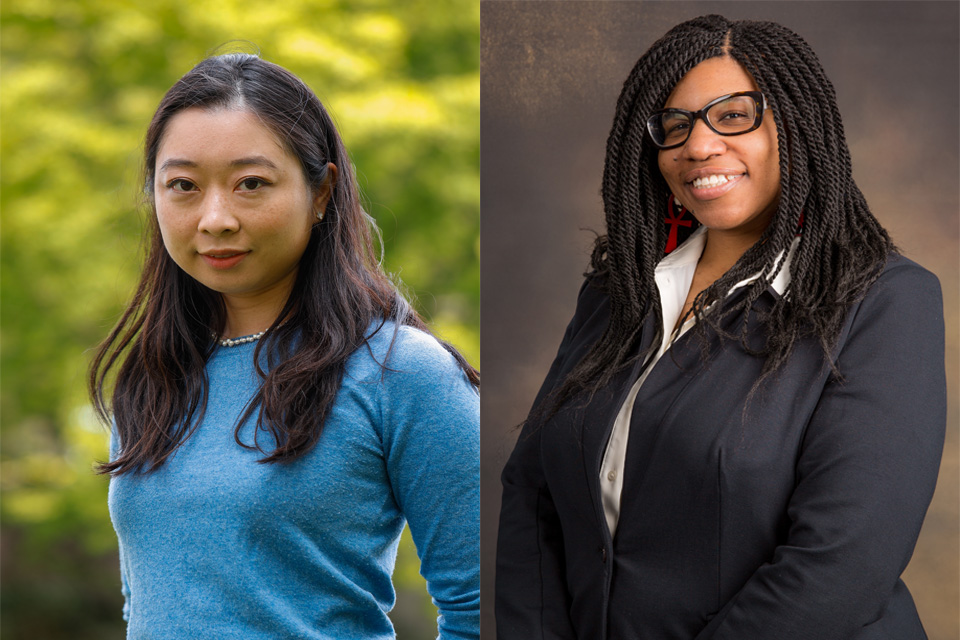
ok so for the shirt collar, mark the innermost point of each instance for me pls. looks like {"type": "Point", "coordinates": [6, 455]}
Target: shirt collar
{"type": "Point", "coordinates": [689, 253]}
{"type": "Point", "coordinates": [782, 281]}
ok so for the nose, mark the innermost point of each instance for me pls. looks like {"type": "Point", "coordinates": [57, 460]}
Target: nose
{"type": "Point", "coordinates": [703, 142]}
{"type": "Point", "coordinates": [216, 215]}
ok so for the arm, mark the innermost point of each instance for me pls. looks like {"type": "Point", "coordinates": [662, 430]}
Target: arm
{"type": "Point", "coordinates": [124, 583]}
{"type": "Point", "coordinates": [531, 596]}
{"type": "Point", "coordinates": [431, 418]}
{"type": "Point", "coordinates": [124, 586]}
{"type": "Point", "coordinates": [865, 475]}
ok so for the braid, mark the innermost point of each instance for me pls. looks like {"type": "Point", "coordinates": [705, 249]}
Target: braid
{"type": "Point", "coordinates": [842, 248]}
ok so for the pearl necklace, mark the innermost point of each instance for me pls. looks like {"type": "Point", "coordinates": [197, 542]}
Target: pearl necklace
{"type": "Point", "coordinates": [232, 342]}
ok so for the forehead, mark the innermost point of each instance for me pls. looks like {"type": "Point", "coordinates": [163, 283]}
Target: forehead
{"type": "Point", "coordinates": [218, 136]}
{"type": "Point", "coordinates": [708, 80]}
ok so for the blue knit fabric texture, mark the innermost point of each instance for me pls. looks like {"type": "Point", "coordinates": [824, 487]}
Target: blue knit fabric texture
{"type": "Point", "coordinates": [214, 544]}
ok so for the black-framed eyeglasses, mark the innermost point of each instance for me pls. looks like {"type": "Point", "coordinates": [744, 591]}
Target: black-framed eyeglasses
{"type": "Point", "coordinates": [730, 115]}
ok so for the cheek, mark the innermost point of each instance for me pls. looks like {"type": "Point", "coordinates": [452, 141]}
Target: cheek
{"type": "Point", "coordinates": [288, 228]}
{"type": "Point", "coordinates": [663, 163]}
{"type": "Point", "coordinates": [163, 223]}
{"type": "Point", "coordinates": [296, 220]}
{"type": "Point", "coordinates": [668, 170]}
{"type": "Point", "coordinates": [172, 232]}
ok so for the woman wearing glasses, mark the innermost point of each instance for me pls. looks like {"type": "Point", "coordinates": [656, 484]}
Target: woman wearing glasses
{"type": "Point", "coordinates": [741, 431]}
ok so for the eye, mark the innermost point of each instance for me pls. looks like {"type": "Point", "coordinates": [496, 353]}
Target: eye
{"type": "Point", "coordinates": [252, 184]}
{"type": "Point", "coordinates": [674, 123]}
{"type": "Point", "coordinates": [181, 185]}
{"type": "Point", "coordinates": [734, 115]}
{"type": "Point", "coordinates": [675, 128]}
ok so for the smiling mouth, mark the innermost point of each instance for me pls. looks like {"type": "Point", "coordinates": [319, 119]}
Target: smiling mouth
{"type": "Point", "coordinates": [715, 180]}
{"type": "Point", "coordinates": [713, 186]}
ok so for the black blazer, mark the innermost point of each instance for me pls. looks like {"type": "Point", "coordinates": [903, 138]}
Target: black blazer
{"type": "Point", "coordinates": [790, 516]}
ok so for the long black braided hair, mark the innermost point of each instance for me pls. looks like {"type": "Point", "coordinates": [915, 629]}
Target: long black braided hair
{"type": "Point", "coordinates": [842, 247]}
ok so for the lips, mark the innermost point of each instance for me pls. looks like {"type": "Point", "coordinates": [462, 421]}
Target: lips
{"type": "Point", "coordinates": [224, 258]}
{"type": "Point", "coordinates": [710, 183]}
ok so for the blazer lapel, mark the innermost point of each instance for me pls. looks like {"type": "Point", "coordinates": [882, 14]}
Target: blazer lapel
{"type": "Point", "coordinates": [670, 375]}
{"type": "Point", "coordinates": [602, 412]}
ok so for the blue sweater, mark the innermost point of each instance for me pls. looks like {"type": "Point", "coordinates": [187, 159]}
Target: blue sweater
{"type": "Point", "coordinates": [215, 545]}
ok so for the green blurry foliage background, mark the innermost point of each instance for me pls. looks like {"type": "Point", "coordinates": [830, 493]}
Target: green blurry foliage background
{"type": "Point", "coordinates": [79, 81]}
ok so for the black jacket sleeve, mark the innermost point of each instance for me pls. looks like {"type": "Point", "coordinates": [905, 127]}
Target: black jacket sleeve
{"type": "Point", "coordinates": [532, 602]}
{"type": "Point", "coordinates": [865, 475]}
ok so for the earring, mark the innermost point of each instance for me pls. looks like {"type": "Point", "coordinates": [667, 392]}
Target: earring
{"type": "Point", "coordinates": [676, 218]}
{"type": "Point", "coordinates": [320, 215]}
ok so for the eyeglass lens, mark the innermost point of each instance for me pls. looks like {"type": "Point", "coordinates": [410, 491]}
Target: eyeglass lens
{"type": "Point", "coordinates": [734, 115]}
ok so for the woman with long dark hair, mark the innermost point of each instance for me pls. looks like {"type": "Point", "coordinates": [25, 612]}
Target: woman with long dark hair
{"type": "Point", "coordinates": [741, 431]}
{"type": "Point", "coordinates": [279, 410]}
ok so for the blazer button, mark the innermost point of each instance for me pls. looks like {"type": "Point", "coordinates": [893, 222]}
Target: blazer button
{"type": "Point", "coordinates": [603, 555]}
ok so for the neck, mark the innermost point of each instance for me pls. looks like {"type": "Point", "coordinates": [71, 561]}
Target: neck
{"type": "Point", "coordinates": [251, 312]}
{"type": "Point", "coordinates": [247, 316]}
{"type": "Point", "coordinates": [723, 249]}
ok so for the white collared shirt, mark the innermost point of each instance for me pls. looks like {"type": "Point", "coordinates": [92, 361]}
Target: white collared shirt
{"type": "Point", "coordinates": [673, 276]}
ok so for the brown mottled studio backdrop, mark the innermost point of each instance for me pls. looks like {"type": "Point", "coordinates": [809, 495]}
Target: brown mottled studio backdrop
{"type": "Point", "coordinates": [550, 76]}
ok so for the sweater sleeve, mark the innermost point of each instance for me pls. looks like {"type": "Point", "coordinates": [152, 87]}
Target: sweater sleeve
{"type": "Point", "coordinates": [431, 437]}
{"type": "Point", "coordinates": [124, 583]}
{"type": "Point", "coordinates": [124, 586]}
{"type": "Point", "coordinates": [864, 478]}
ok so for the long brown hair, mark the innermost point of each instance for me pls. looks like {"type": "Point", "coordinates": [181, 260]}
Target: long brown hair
{"type": "Point", "coordinates": [164, 338]}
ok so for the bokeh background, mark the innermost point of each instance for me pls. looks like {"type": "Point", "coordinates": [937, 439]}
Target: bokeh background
{"type": "Point", "coordinates": [80, 81]}
{"type": "Point", "coordinates": [550, 76]}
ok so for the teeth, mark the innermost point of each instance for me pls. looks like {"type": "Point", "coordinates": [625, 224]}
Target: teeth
{"type": "Point", "coordinates": [709, 181]}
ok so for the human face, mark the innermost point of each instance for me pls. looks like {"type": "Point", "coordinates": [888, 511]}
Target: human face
{"type": "Point", "coordinates": [232, 203]}
{"type": "Point", "coordinates": [749, 163]}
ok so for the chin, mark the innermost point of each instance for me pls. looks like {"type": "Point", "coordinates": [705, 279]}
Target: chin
{"type": "Point", "coordinates": [728, 220]}
{"type": "Point", "coordinates": [721, 222]}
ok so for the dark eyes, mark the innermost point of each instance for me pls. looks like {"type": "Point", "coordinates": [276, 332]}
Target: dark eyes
{"type": "Point", "coordinates": [182, 185]}
{"type": "Point", "coordinates": [734, 115]}
{"type": "Point", "coordinates": [251, 184]}
{"type": "Point", "coordinates": [682, 124]}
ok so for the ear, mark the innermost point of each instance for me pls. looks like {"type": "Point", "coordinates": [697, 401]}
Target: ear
{"type": "Point", "coordinates": [322, 195]}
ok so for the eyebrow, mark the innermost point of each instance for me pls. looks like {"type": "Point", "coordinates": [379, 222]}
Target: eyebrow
{"type": "Point", "coordinates": [261, 161]}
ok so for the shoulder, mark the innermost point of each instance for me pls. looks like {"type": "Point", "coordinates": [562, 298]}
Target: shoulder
{"type": "Point", "coordinates": [903, 273]}
{"type": "Point", "coordinates": [903, 305]}
{"type": "Point", "coordinates": [405, 348]}
{"type": "Point", "coordinates": [403, 354]}
{"type": "Point", "coordinates": [904, 288]}
{"type": "Point", "coordinates": [420, 387]}
{"type": "Point", "coordinates": [593, 304]}
{"type": "Point", "coordinates": [594, 291]}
